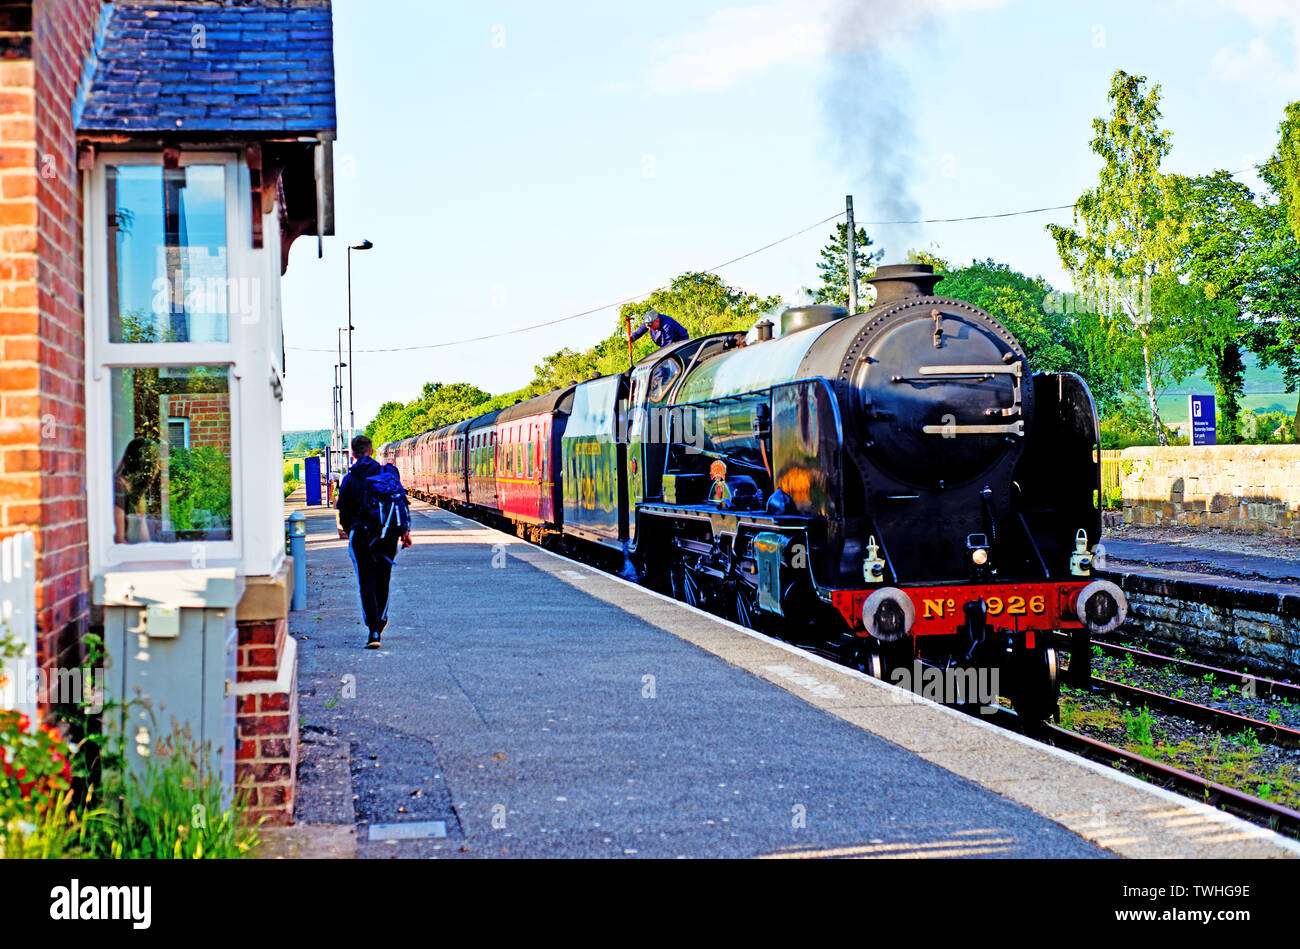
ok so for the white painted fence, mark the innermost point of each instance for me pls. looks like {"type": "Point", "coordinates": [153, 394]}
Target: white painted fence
{"type": "Point", "coordinates": [18, 619]}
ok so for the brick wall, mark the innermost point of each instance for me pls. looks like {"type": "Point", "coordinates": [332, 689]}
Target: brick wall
{"type": "Point", "coordinates": [209, 416]}
{"type": "Point", "coordinates": [20, 377]}
{"type": "Point", "coordinates": [266, 755]}
{"type": "Point", "coordinates": [1242, 488]}
{"type": "Point", "coordinates": [64, 33]}
{"type": "Point", "coordinates": [42, 415]}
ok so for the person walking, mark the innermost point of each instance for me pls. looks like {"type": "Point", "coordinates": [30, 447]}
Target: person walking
{"type": "Point", "coordinates": [374, 518]}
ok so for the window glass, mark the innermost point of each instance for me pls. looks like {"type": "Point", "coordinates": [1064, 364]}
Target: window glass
{"type": "Point", "coordinates": [167, 269]}
{"type": "Point", "coordinates": [168, 489]}
{"type": "Point", "coordinates": [661, 380]}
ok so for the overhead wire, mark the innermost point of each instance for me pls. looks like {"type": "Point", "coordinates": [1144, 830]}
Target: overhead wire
{"type": "Point", "coordinates": [780, 240]}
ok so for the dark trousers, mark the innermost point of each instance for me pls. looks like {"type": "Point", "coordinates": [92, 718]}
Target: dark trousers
{"type": "Point", "coordinates": [374, 570]}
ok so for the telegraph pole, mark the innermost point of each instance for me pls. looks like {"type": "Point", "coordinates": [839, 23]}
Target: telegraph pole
{"type": "Point", "coordinates": [853, 256]}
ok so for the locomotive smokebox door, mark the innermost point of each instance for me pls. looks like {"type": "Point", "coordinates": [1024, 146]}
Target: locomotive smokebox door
{"type": "Point", "coordinates": [769, 550]}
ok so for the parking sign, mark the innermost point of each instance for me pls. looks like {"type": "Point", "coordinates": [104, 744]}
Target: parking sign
{"type": "Point", "coordinates": [1201, 410]}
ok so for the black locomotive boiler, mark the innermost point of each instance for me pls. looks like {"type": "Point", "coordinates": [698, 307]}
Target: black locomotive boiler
{"type": "Point", "coordinates": [894, 484]}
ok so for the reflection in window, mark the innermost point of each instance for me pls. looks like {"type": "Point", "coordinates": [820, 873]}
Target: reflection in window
{"type": "Point", "coordinates": [171, 450]}
{"type": "Point", "coordinates": [167, 256]}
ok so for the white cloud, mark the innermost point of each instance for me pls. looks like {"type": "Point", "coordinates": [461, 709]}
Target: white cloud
{"type": "Point", "coordinates": [1271, 59]}
{"type": "Point", "coordinates": [738, 42]}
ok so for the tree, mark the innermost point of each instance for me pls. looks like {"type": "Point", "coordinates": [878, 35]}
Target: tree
{"type": "Point", "coordinates": [701, 302]}
{"type": "Point", "coordinates": [1275, 293]}
{"type": "Point", "coordinates": [438, 404]}
{"type": "Point", "coordinates": [1284, 168]}
{"type": "Point", "coordinates": [1017, 301]}
{"type": "Point", "coordinates": [834, 266]}
{"type": "Point", "coordinates": [1208, 233]}
{"type": "Point", "coordinates": [1117, 253]}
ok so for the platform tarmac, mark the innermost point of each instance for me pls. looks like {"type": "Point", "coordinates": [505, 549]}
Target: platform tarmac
{"type": "Point", "coordinates": [524, 705]}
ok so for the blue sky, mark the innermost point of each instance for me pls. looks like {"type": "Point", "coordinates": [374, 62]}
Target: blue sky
{"type": "Point", "coordinates": [515, 163]}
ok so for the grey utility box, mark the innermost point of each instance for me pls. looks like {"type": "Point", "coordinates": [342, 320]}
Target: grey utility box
{"type": "Point", "coordinates": [171, 641]}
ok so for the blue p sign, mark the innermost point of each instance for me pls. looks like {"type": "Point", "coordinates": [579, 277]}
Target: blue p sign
{"type": "Point", "coordinates": [1201, 409]}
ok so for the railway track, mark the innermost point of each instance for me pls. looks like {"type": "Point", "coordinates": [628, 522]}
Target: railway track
{"type": "Point", "coordinates": [1276, 817]}
{"type": "Point", "coordinates": [1221, 720]}
{"type": "Point", "coordinates": [1260, 686]}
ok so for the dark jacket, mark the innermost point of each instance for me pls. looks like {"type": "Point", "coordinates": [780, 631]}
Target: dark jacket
{"type": "Point", "coordinates": [349, 503]}
{"type": "Point", "coordinates": [663, 331]}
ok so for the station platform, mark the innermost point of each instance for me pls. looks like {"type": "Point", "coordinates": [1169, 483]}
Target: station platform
{"type": "Point", "coordinates": [1205, 556]}
{"type": "Point", "coordinates": [524, 705]}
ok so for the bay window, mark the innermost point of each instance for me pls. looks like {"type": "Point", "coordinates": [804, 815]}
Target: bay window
{"type": "Point", "coordinates": [172, 286]}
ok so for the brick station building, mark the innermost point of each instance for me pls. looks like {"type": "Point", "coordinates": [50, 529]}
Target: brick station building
{"type": "Point", "coordinates": [157, 160]}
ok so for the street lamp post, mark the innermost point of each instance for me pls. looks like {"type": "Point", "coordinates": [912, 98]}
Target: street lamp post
{"type": "Point", "coordinates": [340, 449]}
{"type": "Point", "coordinates": [352, 416]}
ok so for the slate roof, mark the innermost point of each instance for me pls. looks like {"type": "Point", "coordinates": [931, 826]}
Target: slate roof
{"type": "Point", "coordinates": [258, 67]}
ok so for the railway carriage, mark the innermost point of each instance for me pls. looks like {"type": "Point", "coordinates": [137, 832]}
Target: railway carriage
{"type": "Point", "coordinates": [528, 440]}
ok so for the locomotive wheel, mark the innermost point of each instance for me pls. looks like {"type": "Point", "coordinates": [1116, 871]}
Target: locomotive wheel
{"type": "Point", "coordinates": [1037, 686]}
{"type": "Point", "coordinates": [684, 586]}
{"type": "Point", "coordinates": [868, 658]}
{"type": "Point", "coordinates": [745, 604]}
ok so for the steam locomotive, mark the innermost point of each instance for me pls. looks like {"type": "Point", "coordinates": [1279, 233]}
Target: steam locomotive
{"type": "Point", "coordinates": [894, 485]}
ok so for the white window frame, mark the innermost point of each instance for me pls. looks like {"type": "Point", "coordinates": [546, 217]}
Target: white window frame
{"type": "Point", "coordinates": [103, 356]}
{"type": "Point", "coordinates": [184, 423]}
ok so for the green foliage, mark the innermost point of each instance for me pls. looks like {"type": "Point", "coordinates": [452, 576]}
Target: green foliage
{"type": "Point", "coordinates": [199, 488]}
{"type": "Point", "coordinates": [1285, 166]}
{"type": "Point", "coordinates": [174, 810]}
{"type": "Point", "coordinates": [291, 484]}
{"type": "Point", "coordinates": [1130, 423]}
{"type": "Point", "coordinates": [834, 267]}
{"type": "Point", "coordinates": [35, 774]}
{"type": "Point", "coordinates": [703, 304]}
{"type": "Point", "coordinates": [1266, 427]}
{"type": "Point", "coordinates": [1121, 248]}
{"type": "Point", "coordinates": [1140, 727]}
{"type": "Point", "coordinates": [438, 404]}
{"type": "Point", "coordinates": [1050, 336]}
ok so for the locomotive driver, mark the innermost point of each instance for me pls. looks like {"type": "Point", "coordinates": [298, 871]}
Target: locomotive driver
{"type": "Point", "coordinates": [663, 329]}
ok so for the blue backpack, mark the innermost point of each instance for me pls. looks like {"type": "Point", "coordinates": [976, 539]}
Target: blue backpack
{"type": "Point", "coordinates": [384, 514]}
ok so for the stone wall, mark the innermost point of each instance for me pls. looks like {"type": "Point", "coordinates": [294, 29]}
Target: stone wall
{"type": "Point", "coordinates": [1252, 489]}
{"type": "Point", "coordinates": [1233, 624]}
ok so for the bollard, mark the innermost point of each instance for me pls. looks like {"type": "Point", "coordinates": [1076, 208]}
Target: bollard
{"type": "Point", "coordinates": [297, 531]}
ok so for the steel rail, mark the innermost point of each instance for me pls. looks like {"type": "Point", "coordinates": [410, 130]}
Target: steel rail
{"type": "Point", "coordinates": [1274, 816]}
{"type": "Point", "coordinates": [1218, 719]}
{"type": "Point", "coordinates": [1262, 686]}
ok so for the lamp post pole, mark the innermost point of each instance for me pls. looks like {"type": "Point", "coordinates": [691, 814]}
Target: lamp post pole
{"type": "Point", "coordinates": [340, 449]}
{"type": "Point", "coordinates": [352, 415]}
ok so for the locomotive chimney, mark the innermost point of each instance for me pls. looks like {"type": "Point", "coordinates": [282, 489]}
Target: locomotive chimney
{"type": "Point", "coordinates": [894, 282]}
